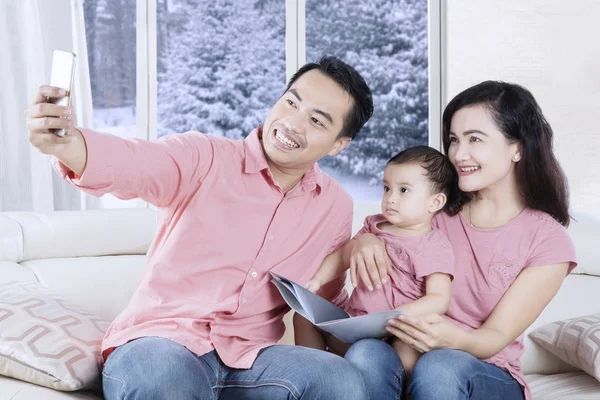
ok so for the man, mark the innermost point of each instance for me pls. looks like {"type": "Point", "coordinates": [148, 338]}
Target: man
{"type": "Point", "coordinates": [204, 319]}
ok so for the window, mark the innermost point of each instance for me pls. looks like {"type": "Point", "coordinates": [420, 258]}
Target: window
{"type": "Point", "coordinates": [111, 44]}
{"type": "Point", "coordinates": [110, 35]}
{"type": "Point", "coordinates": [221, 64]}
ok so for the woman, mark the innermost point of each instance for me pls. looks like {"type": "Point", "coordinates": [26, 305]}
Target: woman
{"type": "Point", "coordinates": [512, 254]}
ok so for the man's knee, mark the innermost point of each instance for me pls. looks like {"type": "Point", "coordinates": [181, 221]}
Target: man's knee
{"type": "Point", "coordinates": [148, 368]}
{"type": "Point", "coordinates": [442, 367]}
{"type": "Point", "coordinates": [321, 375]}
{"type": "Point", "coordinates": [348, 382]}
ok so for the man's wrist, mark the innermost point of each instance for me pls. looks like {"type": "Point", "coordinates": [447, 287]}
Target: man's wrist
{"type": "Point", "coordinates": [74, 154]}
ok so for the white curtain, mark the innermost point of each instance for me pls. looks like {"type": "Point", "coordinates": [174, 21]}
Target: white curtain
{"type": "Point", "coordinates": [29, 32]}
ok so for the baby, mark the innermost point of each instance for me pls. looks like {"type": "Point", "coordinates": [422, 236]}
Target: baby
{"type": "Point", "coordinates": [417, 183]}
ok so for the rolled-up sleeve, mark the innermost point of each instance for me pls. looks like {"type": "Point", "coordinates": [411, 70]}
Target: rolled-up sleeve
{"type": "Point", "coordinates": [158, 171]}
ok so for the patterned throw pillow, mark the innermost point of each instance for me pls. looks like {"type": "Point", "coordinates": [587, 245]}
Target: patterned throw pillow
{"type": "Point", "coordinates": [575, 341]}
{"type": "Point", "coordinates": [46, 340]}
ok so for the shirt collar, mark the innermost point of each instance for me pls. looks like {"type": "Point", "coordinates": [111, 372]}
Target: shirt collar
{"type": "Point", "coordinates": [254, 157]}
{"type": "Point", "coordinates": [255, 161]}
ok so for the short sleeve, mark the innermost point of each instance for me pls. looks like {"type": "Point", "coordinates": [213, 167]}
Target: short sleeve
{"type": "Point", "coordinates": [435, 255]}
{"type": "Point", "coordinates": [369, 224]}
{"type": "Point", "coordinates": [552, 245]}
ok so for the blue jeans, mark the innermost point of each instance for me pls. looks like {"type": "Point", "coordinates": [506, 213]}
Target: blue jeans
{"type": "Point", "coordinates": [157, 368]}
{"type": "Point", "coordinates": [439, 374]}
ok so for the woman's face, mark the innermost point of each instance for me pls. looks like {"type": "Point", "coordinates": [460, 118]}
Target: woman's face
{"type": "Point", "coordinates": [482, 155]}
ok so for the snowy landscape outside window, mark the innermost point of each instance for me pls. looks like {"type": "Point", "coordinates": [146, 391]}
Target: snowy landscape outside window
{"type": "Point", "coordinates": [221, 66]}
{"type": "Point", "coordinates": [386, 41]}
{"type": "Point", "coordinates": [110, 38]}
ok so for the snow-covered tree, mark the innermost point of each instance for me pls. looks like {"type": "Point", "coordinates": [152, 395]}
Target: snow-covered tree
{"type": "Point", "coordinates": [224, 69]}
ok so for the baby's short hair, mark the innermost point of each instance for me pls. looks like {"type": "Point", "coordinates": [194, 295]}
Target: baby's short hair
{"type": "Point", "coordinates": [439, 171]}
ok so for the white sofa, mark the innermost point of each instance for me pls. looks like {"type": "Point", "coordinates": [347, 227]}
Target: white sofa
{"type": "Point", "coordinates": [95, 258]}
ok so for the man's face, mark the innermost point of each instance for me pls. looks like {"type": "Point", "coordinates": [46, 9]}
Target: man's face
{"type": "Point", "coordinates": [305, 123]}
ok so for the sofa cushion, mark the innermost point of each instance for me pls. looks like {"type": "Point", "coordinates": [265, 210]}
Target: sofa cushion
{"type": "Point", "coordinates": [86, 281]}
{"type": "Point", "coordinates": [569, 386]}
{"type": "Point", "coordinates": [10, 271]}
{"type": "Point", "coordinates": [575, 340]}
{"type": "Point", "coordinates": [11, 239]}
{"type": "Point", "coordinates": [585, 232]}
{"type": "Point", "coordinates": [12, 389]}
{"type": "Point", "coordinates": [76, 233]}
{"type": "Point", "coordinates": [577, 296]}
{"type": "Point", "coordinates": [46, 340]}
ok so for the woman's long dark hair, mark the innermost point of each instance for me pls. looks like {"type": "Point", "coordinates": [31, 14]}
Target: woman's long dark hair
{"type": "Point", "coordinates": [541, 180]}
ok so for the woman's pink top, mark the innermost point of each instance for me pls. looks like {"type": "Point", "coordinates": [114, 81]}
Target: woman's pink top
{"type": "Point", "coordinates": [489, 260]}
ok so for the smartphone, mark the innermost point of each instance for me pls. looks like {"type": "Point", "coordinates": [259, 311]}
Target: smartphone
{"type": "Point", "coordinates": [62, 75]}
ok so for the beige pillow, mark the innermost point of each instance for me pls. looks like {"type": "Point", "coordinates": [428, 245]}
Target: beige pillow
{"type": "Point", "coordinates": [575, 341]}
{"type": "Point", "coordinates": [46, 340]}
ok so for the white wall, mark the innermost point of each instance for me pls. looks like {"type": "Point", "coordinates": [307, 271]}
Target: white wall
{"type": "Point", "coordinates": [551, 47]}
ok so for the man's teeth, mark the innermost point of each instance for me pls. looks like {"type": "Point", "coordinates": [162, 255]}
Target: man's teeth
{"type": "Point", "coordinates": [469, 169]}
{"type": "Point", "coordinates": [285, 140]}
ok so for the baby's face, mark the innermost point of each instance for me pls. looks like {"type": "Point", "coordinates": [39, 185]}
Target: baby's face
{"type": "Point", "coordinates": [407, 195]}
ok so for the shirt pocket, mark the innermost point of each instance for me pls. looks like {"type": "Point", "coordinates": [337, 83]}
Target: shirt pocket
{"type": "Point", "coordinates": [502, 272]}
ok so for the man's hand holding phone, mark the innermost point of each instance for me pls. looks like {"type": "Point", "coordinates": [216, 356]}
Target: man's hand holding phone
{"type": "Point", "coordinates": [43, 116]}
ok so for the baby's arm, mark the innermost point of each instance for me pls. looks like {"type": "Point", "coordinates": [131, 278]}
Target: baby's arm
{"type": "Point", "coordinates": [438, 287]}
{"type": "Point", "coordinates": [332, 267]}
{"type": "Point", "coordinates": [305, 333]}
{"type": "Point", "coordinates": [436, 300]}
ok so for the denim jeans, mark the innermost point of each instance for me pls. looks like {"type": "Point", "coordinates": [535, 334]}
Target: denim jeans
{"type": "Point", "coordinates": [439, 374]}
{"type": "Point", "coordinates": [157, 368]}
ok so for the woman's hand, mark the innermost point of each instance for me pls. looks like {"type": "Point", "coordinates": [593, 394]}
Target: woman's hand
{"type": "Point", "coordinates": [369, 261]}
{"type": "Point", "coordinates": [427, 332]}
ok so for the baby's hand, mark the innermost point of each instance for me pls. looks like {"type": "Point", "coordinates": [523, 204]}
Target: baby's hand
{"type": "Point", "coordinates": [313, 285]}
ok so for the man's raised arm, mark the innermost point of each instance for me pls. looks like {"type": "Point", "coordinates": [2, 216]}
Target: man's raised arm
{"type": "Point", "coordinates": [157, 172]}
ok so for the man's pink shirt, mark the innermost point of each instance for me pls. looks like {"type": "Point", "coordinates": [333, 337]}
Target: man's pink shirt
{"type": "Point", "coordinates": [489, 260]}
{"type": "Point", "coordinates": [224, 223]}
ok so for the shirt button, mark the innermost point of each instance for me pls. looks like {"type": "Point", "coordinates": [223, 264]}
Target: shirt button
{"type": "Point", "coordinates": [244, 300]}
{"type": "Point", "coordinates": [270, 237]}
{"type": "Point", "coordinates": [254, 274]}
